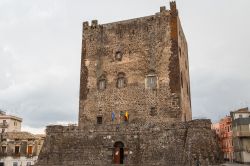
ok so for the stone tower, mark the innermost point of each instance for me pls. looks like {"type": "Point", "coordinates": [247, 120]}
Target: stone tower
{"type": "Point", "coordinates": [138, 67]}
{"type": "Point", "coordinates": [135, 106]}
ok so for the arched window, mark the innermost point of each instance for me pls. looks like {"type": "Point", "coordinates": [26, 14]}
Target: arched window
{"type": "Point", "coordinates": [121, 80]}
{"type": "Point", "coordinates": [151, 80]}
{"type": "Point", "coordinates": [118, 56]}
{"type": "Point", "coordinates": [102, 82]}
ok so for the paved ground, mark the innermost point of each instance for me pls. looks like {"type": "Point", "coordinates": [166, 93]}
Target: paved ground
{"type": "Point", "coordinates": [233, 164]}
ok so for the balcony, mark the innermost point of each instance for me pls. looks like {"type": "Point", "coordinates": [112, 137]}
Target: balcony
{"type": "Point", "coordinates": [4, 125]}
{"type": "Point", "coordinates": [242, 134]}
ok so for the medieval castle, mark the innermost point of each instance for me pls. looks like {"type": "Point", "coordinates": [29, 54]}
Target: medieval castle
{"type": "Point", "coordinates": [135, 105]}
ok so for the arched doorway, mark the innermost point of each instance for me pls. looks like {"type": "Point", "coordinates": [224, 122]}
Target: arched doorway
{"type": "Point", "coordinates": [118, 154]}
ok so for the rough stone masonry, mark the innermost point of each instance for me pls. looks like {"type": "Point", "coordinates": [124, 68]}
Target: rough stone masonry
{"type": "Point", "coordinates": [135, 105]}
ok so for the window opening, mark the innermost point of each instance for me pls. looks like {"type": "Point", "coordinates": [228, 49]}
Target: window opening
{"type": "Point", "coordinates": [99, 119]}
{"type": "Point", "coordinates": [121, 81]}
{"type": "Point", "coordinates": [102, 82]}
{"type": "Point", "coordinates": [118, 56]}
{"type": "Point", "coordinates": [153, 111]}
{"type": "Point", "coordinates": [17, 149]}
{"type": "Point", "coordinates": [4, 149]}
{"type": "Point", "coordinates": [151, 80]}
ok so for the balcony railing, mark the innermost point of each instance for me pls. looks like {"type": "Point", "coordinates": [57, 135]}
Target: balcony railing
{"type": "Point", "coordinates": [4, 125]}
{"type": "Point", "coordinates": [242, 134]}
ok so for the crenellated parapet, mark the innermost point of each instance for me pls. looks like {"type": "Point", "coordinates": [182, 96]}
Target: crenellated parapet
{"type": "Point", "coordinates": [52, 129]}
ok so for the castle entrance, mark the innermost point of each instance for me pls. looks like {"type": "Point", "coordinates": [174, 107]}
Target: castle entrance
{"type": "Point", "coordinates": [118, 154]}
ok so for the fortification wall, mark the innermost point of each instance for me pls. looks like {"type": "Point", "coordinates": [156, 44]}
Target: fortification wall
{"type": "Point", "coordinates": [150, 144]}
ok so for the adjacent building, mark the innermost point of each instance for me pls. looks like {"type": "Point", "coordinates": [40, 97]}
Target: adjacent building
{"type": "Point", "coordinates": [9, 123]}
{"type": "Point", "coordinates": [241, 135]}
{"type": "Point", "coordinates": [223, 131]}
{"type": "Point", "coordinates": [17, 148]}
{"type": "Point", "coordinates": [20, 148]}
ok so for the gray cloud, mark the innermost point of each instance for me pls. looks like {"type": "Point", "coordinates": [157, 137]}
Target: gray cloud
{"type": "Point", "coordinates": [40, 49]}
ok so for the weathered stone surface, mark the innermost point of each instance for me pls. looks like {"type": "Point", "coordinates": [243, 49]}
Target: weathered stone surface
{"type": "Point", "coordinates": [153, 44]}
{"type": "Point", "coordinates": [148, 144]}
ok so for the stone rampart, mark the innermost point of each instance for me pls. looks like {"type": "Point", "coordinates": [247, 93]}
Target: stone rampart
{"type": "Point", "coordinates": [149, 144]}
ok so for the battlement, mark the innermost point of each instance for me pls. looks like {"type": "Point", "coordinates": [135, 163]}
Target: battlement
{"type": "Point", "coordinates": [94, 23]}
{"type": "Point", "coordinates": [60, 129]}
{"type": "Point", "coordinates": [129, 128]}
{"type": "Point", "coordinates": [162, 8]}
{"type": "Point", "coordinates": [173, 5]}
{"type": "Point", "coordinates": [85, 25]}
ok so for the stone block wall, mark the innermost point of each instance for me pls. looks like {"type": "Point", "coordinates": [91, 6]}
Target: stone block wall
{"type": "Point", "coordinates": [147, 45]}
{"type": "Point", "coordinates": [150, 144]}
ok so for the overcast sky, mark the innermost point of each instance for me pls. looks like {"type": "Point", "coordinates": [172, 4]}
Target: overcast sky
{"type": "Point", "coordinates": [40, 47]}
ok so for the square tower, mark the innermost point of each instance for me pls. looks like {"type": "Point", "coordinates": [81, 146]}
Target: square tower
{"type": "Point", "coordinates": [135, 71]}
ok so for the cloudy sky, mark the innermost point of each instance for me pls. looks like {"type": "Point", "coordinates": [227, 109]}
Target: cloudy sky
{"type": "Point", "coordinates": [40, 47]}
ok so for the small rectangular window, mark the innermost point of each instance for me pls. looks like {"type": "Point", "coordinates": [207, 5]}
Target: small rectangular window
{"type": "Point", "coordinates": [99, 120]}
{"type": "Point", "coordinates": [15, 163]}
{"type": "Point", "coordinates": [120, 83]}
{"type": "Point", "coordinates": [102, 84]}
{"type": "Point", "coordinates": [17, 149]}
{"type": "Point", "coordinates": [151, 82]}
{"type": "Point", "coordinates": [153, 111]}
